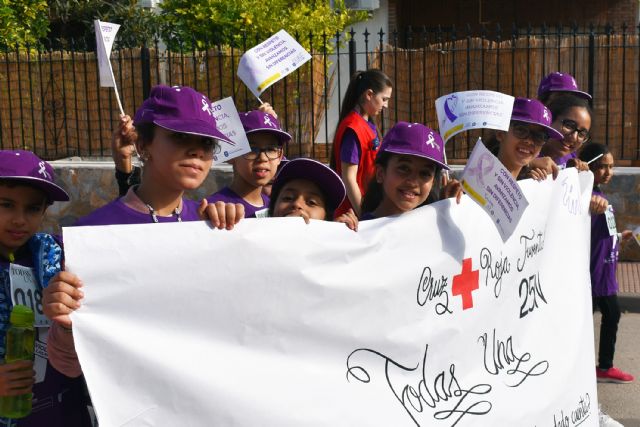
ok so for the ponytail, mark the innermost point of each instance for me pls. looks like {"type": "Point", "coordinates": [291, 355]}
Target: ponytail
{"type": "Point", "coordinates": [361, 81]}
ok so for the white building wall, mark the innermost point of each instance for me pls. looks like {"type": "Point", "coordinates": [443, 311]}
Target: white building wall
{"type": "Point", "coordinates": [378, 21]}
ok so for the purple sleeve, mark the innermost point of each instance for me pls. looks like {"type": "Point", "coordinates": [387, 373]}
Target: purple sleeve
{"type": "Point", "coordinates": [350, 148]}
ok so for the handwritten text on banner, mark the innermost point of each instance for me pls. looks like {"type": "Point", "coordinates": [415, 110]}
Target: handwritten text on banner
{"type": "Point", "coordinates": [427, 319]}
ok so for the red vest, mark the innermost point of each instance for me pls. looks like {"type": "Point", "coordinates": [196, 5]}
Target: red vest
{"type": "Point", "coordinates": [366, 167]}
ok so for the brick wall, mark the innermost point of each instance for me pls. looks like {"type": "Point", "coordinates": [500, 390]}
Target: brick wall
{"type": "Point", "coordinates": [507, 12]}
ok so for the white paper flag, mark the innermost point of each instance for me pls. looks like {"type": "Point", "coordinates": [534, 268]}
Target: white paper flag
{"type": "Point", "coordinates": [474, 109]}
{"type": "Point", "coordinates": [491, 185]}
{"type": "Point", "coordinates": [270, 61]}
{"type": "Point", "coordinates": [105, 36]}
{"type": "Point", "coordinates": [228, 122]}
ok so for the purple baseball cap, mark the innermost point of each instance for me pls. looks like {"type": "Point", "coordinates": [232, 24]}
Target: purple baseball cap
{"type": "Point", "coordinates": [25, 166]}
{"type": "Point", "coordinates": [560, 82]}
{"type": "Point", "coordinates": [316, 172]}
{"type": "Point", "coordinates": [180, 109]}
{"type": "Point", "coordinates": [414, 139]}
{"type": "Point", "coordinates": [533, 111]}
{"type": "Point", "coordinates": [258, 121]}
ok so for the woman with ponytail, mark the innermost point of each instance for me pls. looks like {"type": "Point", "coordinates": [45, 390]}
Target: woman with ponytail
{"type": "Point", "coordinates": [356, 140]}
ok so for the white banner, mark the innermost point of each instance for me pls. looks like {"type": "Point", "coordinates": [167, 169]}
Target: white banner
{"type": "Point", "coordinates": [427, 319]}
{"type": "Point", "coordinates": [105, 36]}
{"type": "Point", "coordinates": [272, 60]}
{"type": "Point", "coordinates": [228, 122]}
{"type": "Point", "coordinates": [473, 109]}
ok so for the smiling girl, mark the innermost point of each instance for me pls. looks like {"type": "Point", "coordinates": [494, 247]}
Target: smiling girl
{"type": "Point", "coordinates": [408, 172]}
{"type": "Point", "coordinates": [529, 131]}
{"type": "Point", "coordinates": [311, 190]}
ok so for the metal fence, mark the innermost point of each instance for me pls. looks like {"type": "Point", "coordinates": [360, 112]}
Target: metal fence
{"type": "Point", "coordinates": [51, 102]}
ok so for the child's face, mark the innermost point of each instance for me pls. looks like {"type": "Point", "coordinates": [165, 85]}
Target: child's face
{"type": "Point", "coordinates": [374, 103]}
{"type": "Point", "coordinates": [22, 209]}
{"type": "Point", "coordinates": [406, 182]}
{"type": "Point", "coordinates": [520, 145]}
{"type": "Point", "coordinates": [300, 197]}
{"type": "Point", "coordinates": [178, 161]}
{"type": "Point", "coordinates": [603, 171]}
{"type": "Point", "coordinates": [574, 125]}
{"type": "Point", "coordinates": [259, 166]}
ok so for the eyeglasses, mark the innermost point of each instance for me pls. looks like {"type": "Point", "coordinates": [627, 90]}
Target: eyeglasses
{"type": "Point", "coordinates": [539, 138]}
{"type": "Point", "coordinates": [570, 126]}
{"type": "Point", "coordinates": [272, 152]}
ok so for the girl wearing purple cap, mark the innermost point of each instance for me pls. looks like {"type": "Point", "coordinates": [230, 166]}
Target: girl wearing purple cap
{"type": "Point", "coordinates": [27, 188]}
{"type": "Point", "coordinates": [311, 190]}
{"type": "Point", "coordinates": [408, 172]}
{"type": "Point", "coordinates": [557, 84]}
{"type": "Point", "coordinates": [572, 118]}
{"type": "Point", "coordinates": [356, 140]}
{"type": "Point", "coordinates": [529, 131]}
{"type": "Point", "coordinates": [605, 241]}
{"type": "Point", "coordinates": [255, 169]}
{"type": "Point", "coordinates": [176, 141]}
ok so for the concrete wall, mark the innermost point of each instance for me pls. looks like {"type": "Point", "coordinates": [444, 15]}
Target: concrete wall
{"type": "Point", "coordinates": [92, 184]}
{"type": "Point", "coordinates": [377, 22]}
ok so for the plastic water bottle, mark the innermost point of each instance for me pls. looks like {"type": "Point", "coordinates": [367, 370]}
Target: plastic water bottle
{"type": "Point", "coordinates": [20, 346]}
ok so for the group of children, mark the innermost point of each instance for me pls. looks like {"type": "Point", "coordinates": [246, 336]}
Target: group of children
{"type": "Point", "coordinates": [175, 139]}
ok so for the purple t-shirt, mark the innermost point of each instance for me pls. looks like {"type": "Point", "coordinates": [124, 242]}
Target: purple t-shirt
{"type": "Point", "coordinates": [117, 212]}
{"type": "Point", "coordinates": [562, 161]}
{"type": "Point", "coordinates": [350, 150]}
{"type": "Point", "coordinates": [367, 216]}
{"type": "Point", "coordinates": [604, 254]}
{"type": "Point", "coordinates": [227, 195]}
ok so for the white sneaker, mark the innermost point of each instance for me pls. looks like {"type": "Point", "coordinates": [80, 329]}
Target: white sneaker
{"type": "Point", "coordinates": [607, 421]}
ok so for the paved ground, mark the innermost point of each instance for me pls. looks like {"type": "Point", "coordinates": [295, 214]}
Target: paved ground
{"type": "Point", "coordinates": [622, 401]}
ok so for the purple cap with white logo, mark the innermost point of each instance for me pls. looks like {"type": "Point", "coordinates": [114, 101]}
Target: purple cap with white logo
{"type": "Point", "coordinates": [560, 82]}
{"type": "Point", "coordinates": [259, 121]}
{"type": "Point", "coordinates": [414, 139]}
{"type": "Point", "coordinates": [180, 109]}
{"type": "Point", "coordinates": [25, 166]}
{"type": "Point", "coordinates": [320, 174]}
{"type": "Point", "coordinates": [533, 111]}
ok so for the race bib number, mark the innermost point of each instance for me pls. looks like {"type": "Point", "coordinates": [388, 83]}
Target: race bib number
{"type": "Point", "coordinates": [25, 291]}
{"type": "Point", "coordinates": [41, 355]}
{"type": "Point", "coordinates": [611, 221]}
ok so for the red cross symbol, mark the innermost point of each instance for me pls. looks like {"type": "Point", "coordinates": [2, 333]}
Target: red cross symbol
{"type": "Point", "coordinates": [465, 283]}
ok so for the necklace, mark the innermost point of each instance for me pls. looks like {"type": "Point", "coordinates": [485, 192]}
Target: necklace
{"type": "Point", "coordinates": [176, 212]}
{"type": "Point", "coordinates": [154, 216]}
